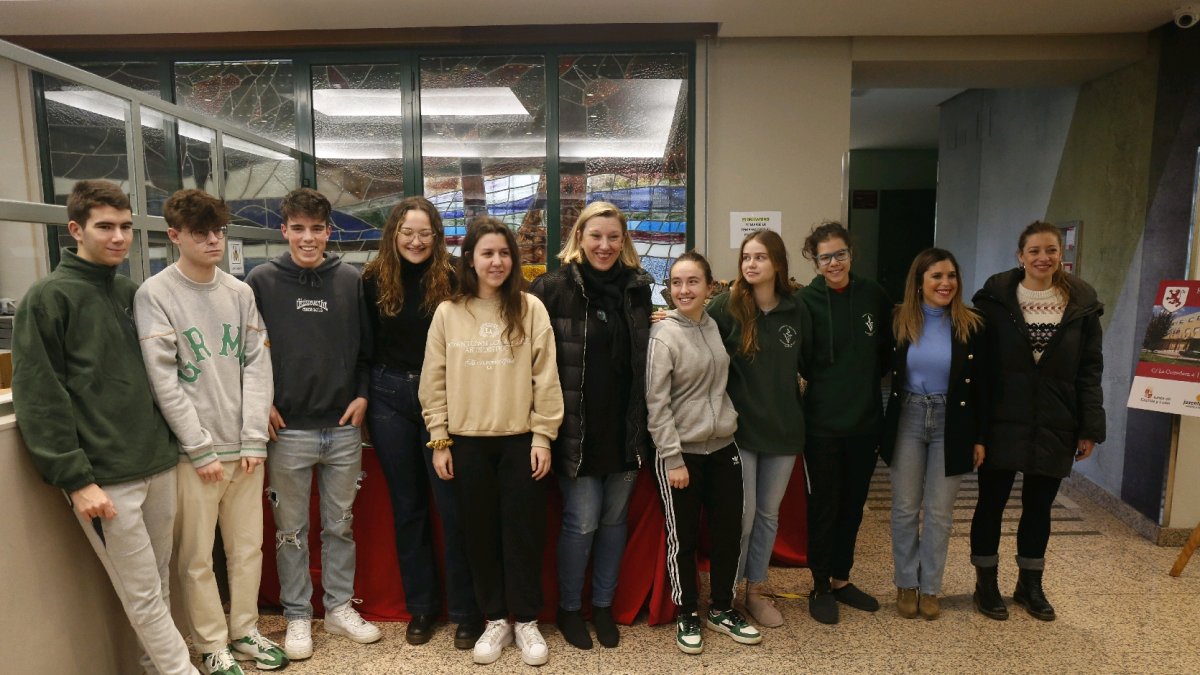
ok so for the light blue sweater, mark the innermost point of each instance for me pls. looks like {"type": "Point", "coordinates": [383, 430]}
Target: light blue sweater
{"type": "Point", "coordinates": [929, 357]}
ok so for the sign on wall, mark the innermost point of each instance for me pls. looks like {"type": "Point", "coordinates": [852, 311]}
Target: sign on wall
{"type": "Point", "coordinates": [237, 263]}
{"type": "Point", "coordinates": [742, 223]}
{"type": "Point", "coordinates": [1167, 378]}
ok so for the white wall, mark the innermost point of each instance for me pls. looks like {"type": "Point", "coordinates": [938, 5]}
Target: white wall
{"type": "Point", "coordinates": [23, 257]}
{"type": "Point", "coordinates": [778, 131]}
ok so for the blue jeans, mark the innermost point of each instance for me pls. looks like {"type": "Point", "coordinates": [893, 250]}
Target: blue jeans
{"type": "Point", "coordinates": [765, 479]}
{"type": "Point", "coordinates": [594, 511]}
{"type": "Point", "coordinates": [919, 480]}
{"type": "Point", "coordinates": [399, 434]}
{"type": "Point", "coordinates": [336, 454]}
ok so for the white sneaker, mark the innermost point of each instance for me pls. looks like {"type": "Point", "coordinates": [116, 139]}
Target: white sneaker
{"type": "Point", "coordinates": [496, 636]}
{"type": "Point", "coordinates": [533, 646]}
{"type": "Point", "coordinates": [297, 644]}
{"type": "Point", "coordinates": [221, 663]}
{"type": "Point", "coordinates": [346, 621]}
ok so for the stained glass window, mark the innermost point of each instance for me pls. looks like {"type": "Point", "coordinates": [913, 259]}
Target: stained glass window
{"type": "Point", "coordinates": [483, 145]}
{"type": "Point", "coordinates": [623, 122]}
{"type": "Point", "coordinates": [87, 136]}
{"type": "Point", "coordinates": [255, 95]}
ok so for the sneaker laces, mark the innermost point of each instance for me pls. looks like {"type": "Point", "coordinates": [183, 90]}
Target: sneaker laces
{"type": "Point", "coordinates": [297, 629]}
{"type": "Point", "coordinates": [690, 623]}
{"type": "Point", "coordinates": [735, 617]}
{"type": "Point", "coordinates": [493, 630]}
{"type": "Point", "coordinates": [221, 660]}
{"type": "Point", "coordinates": [347, 614]}
{"type": "Point", "coordinates": [259, 640]}
{"type": "Point", "coordinates": [530, 633]}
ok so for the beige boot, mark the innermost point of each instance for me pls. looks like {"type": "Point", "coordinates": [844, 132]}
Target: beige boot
{"type": "Point", "coordinates": [931, 607]}
{"type": "Point", "coordinates": [906, 602]}
{"type": "Point", "coordinates": [761, 606]}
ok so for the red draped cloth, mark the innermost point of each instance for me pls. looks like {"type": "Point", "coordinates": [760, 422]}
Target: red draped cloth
{"type": "Point", "coordinates": [643, 585]}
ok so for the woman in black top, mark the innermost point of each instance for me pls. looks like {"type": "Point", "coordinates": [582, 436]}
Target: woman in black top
{"type": "Point", "coordinates": [1047, 411]}
{"type": "Point", "coordinates": [599, 305]}
{"type": "Point", "coordinates": [404, 284]}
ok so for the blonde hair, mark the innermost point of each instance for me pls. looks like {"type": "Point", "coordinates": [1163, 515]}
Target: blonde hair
{"type": "Point", "coordinates": [572, 250]}
{"type": "Point", "coordinates": [909, 319]}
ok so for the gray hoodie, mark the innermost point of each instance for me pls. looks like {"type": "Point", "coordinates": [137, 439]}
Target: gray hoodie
{"type": "Point", "coordinates": [686, 372]}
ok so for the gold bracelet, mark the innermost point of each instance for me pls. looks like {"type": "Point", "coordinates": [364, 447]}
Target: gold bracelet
{"type": "Point", "coordinates": [440, 444]}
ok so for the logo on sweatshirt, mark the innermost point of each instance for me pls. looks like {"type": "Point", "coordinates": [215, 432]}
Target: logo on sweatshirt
{"type": "Point", "coordinates": [231, 346]}
{"type": "Point", "coordinates": [311, 305]}
{"type": "Point", "coordinates": [488, 329]}
{"type": "Point", "coordinates": [869, 324]}
{"type": "Point", "coordinates": [787, 336]}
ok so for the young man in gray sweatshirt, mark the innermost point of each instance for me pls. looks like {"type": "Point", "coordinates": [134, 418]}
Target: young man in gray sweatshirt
{"type": "Point", "coordinates": [205, 349]}
{"type": "Point", "coordinates": [314, 306]}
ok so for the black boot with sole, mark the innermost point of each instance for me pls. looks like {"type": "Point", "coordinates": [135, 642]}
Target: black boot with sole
{"type": "Point", "coordinates": [1029, 595]}
{"type": "Point", "coordinates": [987, 594]}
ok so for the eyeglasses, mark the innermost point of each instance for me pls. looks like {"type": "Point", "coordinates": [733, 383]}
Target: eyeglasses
{"type": "Point", "coordinates": [201, 236]}
{"type": "Point", "coordinates": [424, 236]}
{"type": "Point", "coordinates": [841, 256]}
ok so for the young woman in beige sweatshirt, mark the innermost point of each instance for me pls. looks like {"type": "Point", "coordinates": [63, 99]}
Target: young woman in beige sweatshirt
{"type": "Point", "coordinates": [491, 399]}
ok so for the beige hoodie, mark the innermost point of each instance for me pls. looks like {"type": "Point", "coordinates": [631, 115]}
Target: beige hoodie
{"type": "Point", "coordinates": [474, 383]}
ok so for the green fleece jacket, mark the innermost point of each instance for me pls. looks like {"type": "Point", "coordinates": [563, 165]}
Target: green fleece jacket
{"type": "Point", "coordinates": [82, 399]}
{"type": "Point", "coordinates": [851, 348]}
{"type": "Point", "coordinates": [765, 389]}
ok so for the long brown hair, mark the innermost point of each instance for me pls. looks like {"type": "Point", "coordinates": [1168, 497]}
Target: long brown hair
{"type": "Point", "coordinates": [512, 300]}
{"type": "Point", "coordinates": [909, 319]}
{"type": "Point", "coordinates": [1059, 280]}
{"type": "Point", "coordinates": [741, 297]}
{"type": "Point", "coordinates": [385, 268]}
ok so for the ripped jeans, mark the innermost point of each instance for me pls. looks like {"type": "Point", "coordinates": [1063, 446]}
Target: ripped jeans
{"type": "Point", "coordinates": [336, 454]}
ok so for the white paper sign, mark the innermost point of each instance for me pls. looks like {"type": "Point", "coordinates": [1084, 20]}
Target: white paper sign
{"type": "Point", "coordinates": [742, 223]}
{"type": "Point", "coordinates": [237, 263]}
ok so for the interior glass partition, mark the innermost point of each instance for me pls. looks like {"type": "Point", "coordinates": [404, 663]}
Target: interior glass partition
{"type": "Point", "coordinates": [86, 135]}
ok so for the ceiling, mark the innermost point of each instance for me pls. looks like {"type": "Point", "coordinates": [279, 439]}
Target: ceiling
{"type": "Point", "coordinates": [895, 119]}
{"type": "Point", "coordinates": [742, 18]}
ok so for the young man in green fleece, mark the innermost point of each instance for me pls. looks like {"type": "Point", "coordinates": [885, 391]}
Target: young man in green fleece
{"type": "Point", "coordinates": [205, 349]}
{"type": "Point", "coordinates": [86, 414]}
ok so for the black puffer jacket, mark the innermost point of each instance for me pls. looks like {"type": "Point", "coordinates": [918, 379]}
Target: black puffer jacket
{"type": "Point", "coordinates": [1040, 410]}
{"type": "Point", "coordinates": [966, 403]}
{"type": "Point", "coordinates": [563, 294]}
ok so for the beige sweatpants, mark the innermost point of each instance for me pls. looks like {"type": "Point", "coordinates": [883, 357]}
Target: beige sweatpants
{"type": "Point", "coordinates": [236, 504]}
{"type": "Point", "coordinates": [135, 549]}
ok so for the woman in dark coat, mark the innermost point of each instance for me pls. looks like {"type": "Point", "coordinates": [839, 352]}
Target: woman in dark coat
{"type": "Point", "coordinates": [599, 306]}
{"type": "Point", "coordinates": [1047, 411]}
{"type": "Point", "coordinates": [935, 425]}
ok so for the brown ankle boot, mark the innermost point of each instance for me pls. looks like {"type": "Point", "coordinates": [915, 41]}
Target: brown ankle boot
{"type": "Point", "coordinates": [761, 606]}
{"type": "Point", "coordinates": [906, 602]}
{"type": "Point", "coordinates": [931, 607]}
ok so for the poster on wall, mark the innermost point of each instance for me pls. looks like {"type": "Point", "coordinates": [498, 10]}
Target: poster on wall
{"type": "Point", "coordinates": [742, 223]}
{"type": "Point", "coordinates": [237, 263]}
{"type": "Point", "coordinates": [1167, 378]}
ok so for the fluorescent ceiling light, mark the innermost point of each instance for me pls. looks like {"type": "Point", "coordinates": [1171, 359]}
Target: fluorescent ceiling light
{"type": "Point", "coordinates": [115, 108]}
{"type": "Point", "coordinates": [453, 102]}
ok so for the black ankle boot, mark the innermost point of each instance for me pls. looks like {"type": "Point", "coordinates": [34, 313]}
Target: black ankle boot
{"type": "Point", "coordinates": [1029, 595]}
{"type": "Point", "coordinates": [987, 594]}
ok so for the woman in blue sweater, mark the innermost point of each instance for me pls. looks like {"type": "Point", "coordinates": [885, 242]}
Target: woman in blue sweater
{"type": "Point", "coordinates": [934, 426]}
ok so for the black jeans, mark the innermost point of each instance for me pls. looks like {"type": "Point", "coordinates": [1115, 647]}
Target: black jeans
{"type": "Point", "coordinates": [714, 483]}
{"type": "Point", "coordinates": [839, 477]}
{"type": "Point", "coordinates": [399, 436]}
{"type": "Point", "coordinates": [504, 515]}
{"type": "Point", "coordinates": [1033, 532]}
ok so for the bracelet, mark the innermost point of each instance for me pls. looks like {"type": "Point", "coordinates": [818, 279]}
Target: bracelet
{"type": "Point", "coordinates": [440, 444]}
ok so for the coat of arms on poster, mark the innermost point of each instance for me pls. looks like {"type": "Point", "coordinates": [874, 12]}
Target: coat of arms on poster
{"type": "Point", "coordinates": [1167, 378]}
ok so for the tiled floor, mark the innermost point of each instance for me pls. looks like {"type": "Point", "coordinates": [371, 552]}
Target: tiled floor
{"type": "Point", "coordinates": [1118, 612]}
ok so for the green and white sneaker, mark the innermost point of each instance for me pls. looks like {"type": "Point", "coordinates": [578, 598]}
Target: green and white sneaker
{"type": "Point", "coordinates": [687, 634]}
{"type": "Point", "coordinates": [221, 663]}
{"type": "Point", "coordinates": [732, 623]}
{"type": "Point", "coordinates": [266, 654]}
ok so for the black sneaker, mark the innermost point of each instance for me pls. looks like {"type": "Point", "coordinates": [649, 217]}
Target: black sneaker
{"type": "Point", "coordinates": [573, 629]}
{"type": "Point", "coordinates": [467, 634]}
{"type": "Point", "coordinates": [823, 606]}
{"type": "Point", "coordinates": [852, 596]}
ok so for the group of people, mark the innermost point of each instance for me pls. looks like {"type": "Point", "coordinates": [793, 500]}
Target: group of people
{"type": "Point", "coordinates": [155, 408]}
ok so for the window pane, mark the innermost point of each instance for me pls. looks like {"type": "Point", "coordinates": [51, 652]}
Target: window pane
{"type": "Point", "coordinates": [358, 124]}
{"type": "Point", "coordinates": [256, 179]}
{"type": "Point", "coordinates": [140, 75]}
{"type": "Point", "coordinates": [254, 95]}
{"type": "Point", "coordinates": [86, 134]}
{"type": "Point", "coordinates": [483, 144]}
{"type": "Point", "coordinates": [623, 139]}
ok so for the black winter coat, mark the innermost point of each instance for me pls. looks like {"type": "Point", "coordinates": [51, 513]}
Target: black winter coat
{"type": "Point", "coordinates": [1040, 410]}
{"type": "Point", "coordinates": [566, 302]}
{"type": "Point", "coordinates": [967, 404]}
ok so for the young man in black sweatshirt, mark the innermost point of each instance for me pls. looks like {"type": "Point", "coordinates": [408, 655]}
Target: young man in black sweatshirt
{"type": "Point", "coordinates": [315, 313]}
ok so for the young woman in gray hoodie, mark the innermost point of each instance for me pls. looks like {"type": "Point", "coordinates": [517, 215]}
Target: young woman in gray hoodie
{"type": "Point", "coordinates": [692, 422]}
